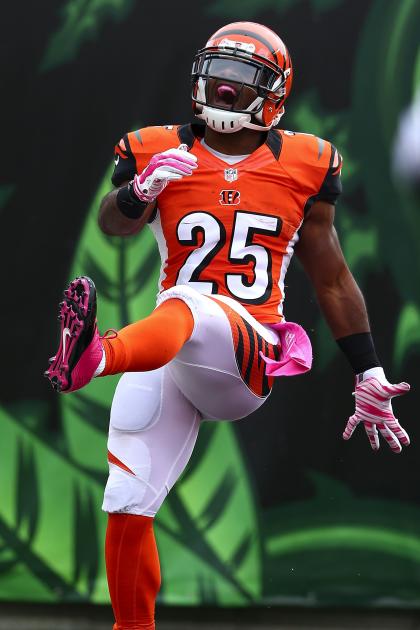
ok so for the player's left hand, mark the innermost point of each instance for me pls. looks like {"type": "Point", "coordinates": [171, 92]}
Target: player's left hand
{"type": "Point", "coordinates": [373, 407]}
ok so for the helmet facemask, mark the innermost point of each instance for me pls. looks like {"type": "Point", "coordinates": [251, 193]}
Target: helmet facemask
{"type": "Point", "coordinates": [231, 88]}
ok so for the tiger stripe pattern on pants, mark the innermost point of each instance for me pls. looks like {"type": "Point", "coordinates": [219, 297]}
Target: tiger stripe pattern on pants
{"type": "Point", "coordinates": [248, 344]}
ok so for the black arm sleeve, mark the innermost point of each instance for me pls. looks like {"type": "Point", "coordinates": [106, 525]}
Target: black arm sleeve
{"type": "Point", "coordinates": [360, 351]}
{"type": "Point", "coordinates": [331, 187]}
{"type": "Point", "coordinates": [125, 163]}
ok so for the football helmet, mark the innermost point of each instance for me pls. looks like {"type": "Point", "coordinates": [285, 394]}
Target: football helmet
{"type": "Point", "coordinates": [241, 78]}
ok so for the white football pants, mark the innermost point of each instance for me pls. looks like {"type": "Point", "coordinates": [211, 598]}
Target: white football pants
{"type": "Point", "coordinates": [156, 415]}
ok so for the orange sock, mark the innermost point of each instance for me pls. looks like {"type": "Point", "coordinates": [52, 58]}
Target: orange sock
{"type": "Point", "coordinates": [132, 566]}
{"type": "Point", "coordinates": [151, 342]}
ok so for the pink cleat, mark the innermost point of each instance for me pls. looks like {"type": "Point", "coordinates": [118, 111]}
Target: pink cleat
{"type": "Point", "coordinates": [80, 350]}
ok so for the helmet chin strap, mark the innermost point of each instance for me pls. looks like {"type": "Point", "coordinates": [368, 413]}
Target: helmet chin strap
{"type": "Point", "coordinates": [229, 122]}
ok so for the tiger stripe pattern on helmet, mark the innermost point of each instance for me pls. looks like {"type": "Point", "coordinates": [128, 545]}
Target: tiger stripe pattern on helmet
{"type": "Point", "coordinates": [248, 344]}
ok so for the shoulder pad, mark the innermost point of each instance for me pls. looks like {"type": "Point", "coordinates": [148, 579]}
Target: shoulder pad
{"type": "Point", "coordinates": [135, 150]}
{"type": "Point", "coordinates": [308, 148]}
{"type": "Point", "coordinates": [315, 163]}
{"type": "Point", "coordinates": [153, 140]}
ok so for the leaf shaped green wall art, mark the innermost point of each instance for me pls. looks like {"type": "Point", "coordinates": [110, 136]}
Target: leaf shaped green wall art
{"type": "Point", "coordinates": [407, 337]}
{"type": "Point", "coordinates": [337, 546]}
{"type": "Point", "coordinates": [382, 84]}
{"type": "Point", "coordinates": [209, 524]}
{"type": "Point", "coordinates": [81, 20]}
{"type": "Point", "coordinates": [48, 509]}
{"type": "Point", "coordinates": [385, 78]}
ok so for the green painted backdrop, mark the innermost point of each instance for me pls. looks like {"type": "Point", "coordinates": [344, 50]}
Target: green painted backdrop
{"type": "Point", "coordinates": [292, 515]}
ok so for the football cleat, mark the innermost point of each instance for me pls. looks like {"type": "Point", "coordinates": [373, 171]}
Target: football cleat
{"type": "Point", "coordinates": [80, 350]}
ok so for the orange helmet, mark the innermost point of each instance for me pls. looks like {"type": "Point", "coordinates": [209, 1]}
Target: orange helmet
{"type": "Point", "coordinates": [241, 78]}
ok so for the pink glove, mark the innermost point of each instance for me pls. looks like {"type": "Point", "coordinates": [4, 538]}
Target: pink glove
{"type": "Point", "coordinates": [163, 168]}
{"type": "Point", "coordinates": [373, 396]}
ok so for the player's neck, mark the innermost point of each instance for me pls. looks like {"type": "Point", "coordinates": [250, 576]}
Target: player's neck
{"type": "Point", "coordinates": [241, 142]}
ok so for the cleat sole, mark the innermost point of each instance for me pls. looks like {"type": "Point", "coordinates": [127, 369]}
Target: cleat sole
{"type": "Point", "coordinates": [76, 313]}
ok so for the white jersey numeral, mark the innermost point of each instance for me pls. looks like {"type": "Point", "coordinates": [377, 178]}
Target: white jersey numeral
{"type": "Point", "coordinates": [190, 230]}
{"type": "Point", "coordinates": [206, 229]}
{"type": "Point", "coordinates": [243, 251]}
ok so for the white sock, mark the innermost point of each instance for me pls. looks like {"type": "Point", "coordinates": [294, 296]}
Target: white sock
{"type": "Point", "coordinates": [101, 365]}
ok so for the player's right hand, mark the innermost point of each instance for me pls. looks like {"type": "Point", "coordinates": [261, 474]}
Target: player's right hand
{"type": "Point", "coordinates": [162, 169]}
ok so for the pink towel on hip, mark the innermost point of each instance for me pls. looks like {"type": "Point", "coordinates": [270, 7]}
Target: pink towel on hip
{"type": "Point", "coordinates": [295, 351]}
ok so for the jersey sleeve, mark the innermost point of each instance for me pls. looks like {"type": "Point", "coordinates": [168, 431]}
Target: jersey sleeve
{"type": "Point", "coordinates": [135, 150]}
{"type": "Point", "coordinates": [331, 187]}
{"type": "Point", "coordinates": [125, 162]}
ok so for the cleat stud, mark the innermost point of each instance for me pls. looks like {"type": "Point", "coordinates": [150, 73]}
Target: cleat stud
{"type": "Point", "coordinates": [55, 383]}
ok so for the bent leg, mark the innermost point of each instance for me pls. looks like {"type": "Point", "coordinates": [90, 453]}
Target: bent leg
{"type": "Point", "coordinates": [153, 430]}
{"type": "Point", "coordinates": [151, 342]}
{"type": "Point", "coordinates": [220, 369]}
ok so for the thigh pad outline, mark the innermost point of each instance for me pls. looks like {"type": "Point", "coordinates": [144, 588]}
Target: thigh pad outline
{"type": "Point", "coordinates": [144, 464]}
{"type": "Point", "coordinates": [137, 401]}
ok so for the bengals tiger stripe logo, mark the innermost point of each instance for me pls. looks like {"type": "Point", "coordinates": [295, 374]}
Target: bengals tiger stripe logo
{"type": "Point", "coordinates": [248, 344]}
{"type": "Point", "coordinates": [229, 197]}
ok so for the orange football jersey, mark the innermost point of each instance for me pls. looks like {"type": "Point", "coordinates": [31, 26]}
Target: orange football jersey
{"type": "Point", "coordinates": [231, 229]}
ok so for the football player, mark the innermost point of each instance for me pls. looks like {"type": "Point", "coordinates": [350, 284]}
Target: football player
{"type": "Point", "coordinates": [228, 201]}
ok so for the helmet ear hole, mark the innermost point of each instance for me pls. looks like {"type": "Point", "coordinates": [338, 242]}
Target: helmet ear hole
{"type": "Point", "coordinates": [277, 117]}
{"type": "Point", "coordinates": [268, 114]}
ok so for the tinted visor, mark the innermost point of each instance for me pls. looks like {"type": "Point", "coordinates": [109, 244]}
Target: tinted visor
{"type": "Point", "coordinates": [231, 69]}
{"type": "Point", "coordinates": [232, 83]}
